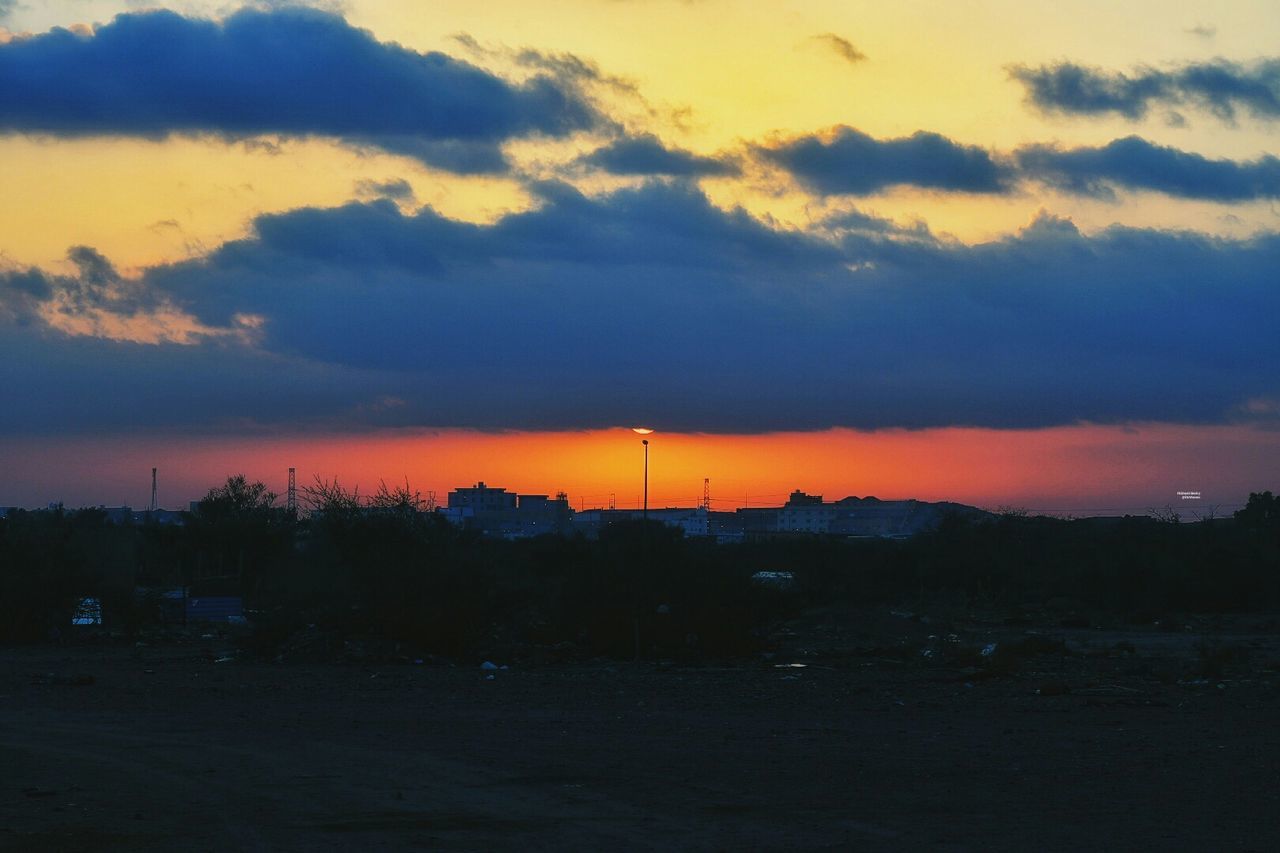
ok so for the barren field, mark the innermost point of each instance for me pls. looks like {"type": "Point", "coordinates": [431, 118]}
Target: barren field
{"type": "Point", "coordinates": [896, 733]}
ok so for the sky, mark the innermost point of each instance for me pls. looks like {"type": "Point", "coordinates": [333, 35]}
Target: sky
{"type": "Point", "coordinates": [1006, 253]}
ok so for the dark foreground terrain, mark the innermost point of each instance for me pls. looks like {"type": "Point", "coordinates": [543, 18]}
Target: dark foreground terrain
{"type": "Point", "coordinates": [898, 733]}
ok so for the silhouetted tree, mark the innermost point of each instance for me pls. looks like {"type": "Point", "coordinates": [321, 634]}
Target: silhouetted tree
{"type": "Point", "coordinates": [240, 535]}
{"type": "Point", "coordinates": [236, 499]}
{"type": "Point", "coordinates": [331, 498]}
{"type": "Point", "coordinates": [1262, 512]}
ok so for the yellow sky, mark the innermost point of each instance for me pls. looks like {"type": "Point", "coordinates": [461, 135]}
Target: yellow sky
{"type": "Point", "coordinates": [713, 76]}
{"type": "Point", "coordinates": [140, 201]}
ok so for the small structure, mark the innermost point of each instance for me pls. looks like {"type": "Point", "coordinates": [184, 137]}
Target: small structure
{"type": "Point", "coordinates": [215, 608]}
{"type": "Point", "coordinates": [87, 612]}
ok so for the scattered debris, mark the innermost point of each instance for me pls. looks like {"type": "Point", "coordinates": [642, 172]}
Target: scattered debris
{"type": "Point", "coordinates": [310, 644]}
{"type": "Point", "coordinates": [64, 680]}
{"type": "Point", "coordinates": [1109, 690]}
{"type": "Point", "coordinates": [778, 580]}
{"type": "Point", "coordinates": [1052, 688]}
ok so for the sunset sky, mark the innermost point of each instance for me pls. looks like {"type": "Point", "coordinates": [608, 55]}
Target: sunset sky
{"type": "Point", "coordinates": [1005, 253]}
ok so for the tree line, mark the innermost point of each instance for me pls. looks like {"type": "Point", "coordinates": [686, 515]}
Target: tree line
{"type": "Point", "coordinates": [381, 570]}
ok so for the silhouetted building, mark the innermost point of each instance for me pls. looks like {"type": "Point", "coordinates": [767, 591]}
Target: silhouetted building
{"type": "Point", "coordinates": [482, 498]}
{"type": "Point", "coordinates": [806, 514]}
{"type": "Point", "coordinates": [694, 521]}
{"type": "Point", "coordinates": [753, 522]}
{"type": "Point", "coordinates": [809, 515]}
{"type": "Point", "coordinates": [497, 512]}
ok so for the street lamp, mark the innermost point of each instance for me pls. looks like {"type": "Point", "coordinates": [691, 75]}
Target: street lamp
{"type": "Point", "coordinates": [635, 592]}
{"type": "Point", "coordinates": [644, 514]}
{"type": "Point", "coordinates": [645, 431]}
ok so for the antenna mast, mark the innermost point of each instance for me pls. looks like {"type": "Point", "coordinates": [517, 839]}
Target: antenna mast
{"type": "Point", "coordinates": [706, 493]}
{"type": "Point", "coordinates": [291, 498]}
{"type": "Point", "coordinates": [152, 507]}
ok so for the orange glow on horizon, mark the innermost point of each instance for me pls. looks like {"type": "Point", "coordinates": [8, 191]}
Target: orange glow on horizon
{"type": "Point", "coordinates": [1069, 469]}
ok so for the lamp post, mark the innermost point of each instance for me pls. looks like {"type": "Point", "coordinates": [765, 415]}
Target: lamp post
{"type": "Point", "coordinates": [635, 593]}
{"type": "Point", "coordinates": [644, 514]}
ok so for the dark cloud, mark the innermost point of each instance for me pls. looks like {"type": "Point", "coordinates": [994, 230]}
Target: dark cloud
{"type": "Point", "coordinates": [570, 69]}
{"type": "Point", "coordinates": [1070, 88]}
{"type": "Point", "coordinates": [22, 292]}
{"type": "Point", "coordinates": [842, 47]}
{"type": "Point", "coordinates": [293, 71]}
{"type": "Point", "coordinates": [849, 161]}
{"type": "Point", "coordinates": [1134, 163]}
{"type": "Point", "coordinates": [394, 188]}
{"type": "Point", "coordinates": [30, 283]}
{"type": "Point", "coordinates": [852, 163]}
{"type": "Point", "coordinates": [858, 220]}
{"type": "Point", "coordinates": [1220, 87]}
{"type": "Point", "coordinates": [572, 72]}
{"type": "Point", "coordinates": [652, 305]}
{"type": "Point", "coordinates": [1204, 31]}
{"type": "Point", "coordinates": [95, 269]}
{"type": "Point", "coordinates": [617, 99]}
{"type": "Point", "coordinates": [105, 386]}
{"type": "Point", "coordinates": [646, 155]}
{"type": "Point", "coordinates": [95, 288]}
{"type": "Point", "coordinates": [461, 156]}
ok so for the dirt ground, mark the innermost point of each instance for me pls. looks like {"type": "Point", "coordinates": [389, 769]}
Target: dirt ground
{"type": "Point", "coordinates": [897, 733]}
